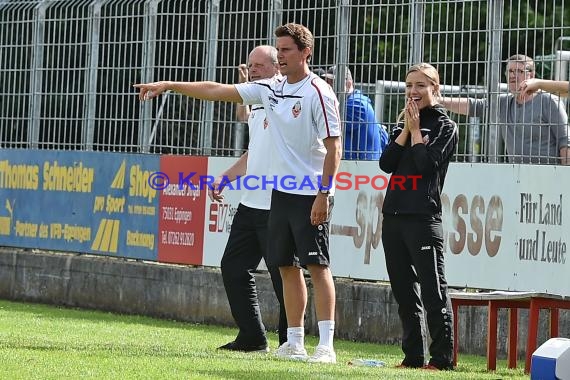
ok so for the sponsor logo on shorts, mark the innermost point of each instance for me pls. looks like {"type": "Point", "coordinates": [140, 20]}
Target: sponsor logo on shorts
{"type": "Point", "coordinates": [313, 253]}
{"type": "Point", "coordinates": [425, 247]}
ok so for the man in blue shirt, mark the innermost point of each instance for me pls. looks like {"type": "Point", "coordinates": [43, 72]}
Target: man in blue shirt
{"type": "Point", "coordinates": [364, 137]}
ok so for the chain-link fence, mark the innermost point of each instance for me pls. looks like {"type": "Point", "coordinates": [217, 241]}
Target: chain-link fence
{"type": "Point", "coordinates": [67, 67]}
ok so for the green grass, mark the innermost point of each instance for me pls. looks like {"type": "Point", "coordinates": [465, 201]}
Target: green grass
{"type": "Point", "coordinates": [46, 342]}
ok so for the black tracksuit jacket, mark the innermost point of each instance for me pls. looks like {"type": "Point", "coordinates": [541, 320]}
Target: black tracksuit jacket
{"type": "Point", "coordinates": [429, 160]}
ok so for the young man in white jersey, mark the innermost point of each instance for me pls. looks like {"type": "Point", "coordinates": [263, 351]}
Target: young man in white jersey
{"type": "Point", "coordinates": [247, 242]}
{"type": "Point", "coordinates": [304, 119]}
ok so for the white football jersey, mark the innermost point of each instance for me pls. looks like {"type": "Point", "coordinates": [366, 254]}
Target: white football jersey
{"type": "Point", "coordinates": [300, 116]}
{"type": "Point", "coordinates": [256, 195]}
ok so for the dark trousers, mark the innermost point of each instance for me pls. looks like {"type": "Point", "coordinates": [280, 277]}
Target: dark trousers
{"type": "Point", "coordinates": [413, 245]}
{"type": "Point", "coordinates": [247, 244]}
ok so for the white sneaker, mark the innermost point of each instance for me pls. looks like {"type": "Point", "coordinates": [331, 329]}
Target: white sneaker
{"type": "Point", "coordinates": [287, 351]}
{"type": "Point", "coordinates": [323, 354]}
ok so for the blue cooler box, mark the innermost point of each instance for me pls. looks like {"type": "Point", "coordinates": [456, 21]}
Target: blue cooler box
{"type": "Point", "coordinates": [551, 361]}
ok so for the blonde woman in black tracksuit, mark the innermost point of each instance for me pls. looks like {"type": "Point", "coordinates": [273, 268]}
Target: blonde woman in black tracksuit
{"type": "Point", "coordinates": [418, 156]}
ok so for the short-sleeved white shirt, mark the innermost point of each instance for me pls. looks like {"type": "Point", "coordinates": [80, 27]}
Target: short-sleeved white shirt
{"type": "Point", "coordinates": [300, 116]}
{"type": "Point", "coordinates": [259, 151]}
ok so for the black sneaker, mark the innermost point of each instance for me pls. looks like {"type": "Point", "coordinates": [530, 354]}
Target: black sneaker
{"type": "Point", "coordinates": [439, 366]}
{"type": "Point", "coordinates": [405, 364]}
{"type": "Point", "coordinates": [235, 346]}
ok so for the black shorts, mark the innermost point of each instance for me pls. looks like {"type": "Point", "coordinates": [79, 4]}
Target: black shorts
{"type": "Point", "coordinates": [293, 240]}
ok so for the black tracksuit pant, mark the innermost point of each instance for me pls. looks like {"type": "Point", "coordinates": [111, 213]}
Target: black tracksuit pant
{"type": "Point", "coordinates": [246, 245]}
{"type": "Point", "coordinates": [413, 245]}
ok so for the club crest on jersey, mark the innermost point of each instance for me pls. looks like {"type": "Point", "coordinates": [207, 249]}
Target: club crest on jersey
{"type": "Point", "coordinates": [296, 109]}
{"type": "Point", "coordinates": [425, 139]}
{"type": "Point", "coordinates": [265, 123]}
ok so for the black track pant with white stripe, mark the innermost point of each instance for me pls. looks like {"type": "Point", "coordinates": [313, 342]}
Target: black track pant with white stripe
{"type": "Point", "coordinates": [413, 245]}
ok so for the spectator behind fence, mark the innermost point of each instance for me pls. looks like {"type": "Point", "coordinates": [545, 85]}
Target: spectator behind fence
{"type": "Point", "coordinates": [364, 137]}
{"type": "Point", "coordinates": [421, 146]}
{"type": "Point", "coordinates": [319, 72]}
{"type": "Point", "coordinates": [534, 128]}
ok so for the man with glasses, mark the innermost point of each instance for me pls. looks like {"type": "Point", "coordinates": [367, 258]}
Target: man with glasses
{"type": "Point", "coordinates": [533, 126]}
{"type": "Point", "coordinates": [247, 243]}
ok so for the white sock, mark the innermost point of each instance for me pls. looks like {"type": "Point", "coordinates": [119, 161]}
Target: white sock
{"type": "Point", "coordinates": [296, 336]}
{"type": "Point", "coordinates": [326, 333]}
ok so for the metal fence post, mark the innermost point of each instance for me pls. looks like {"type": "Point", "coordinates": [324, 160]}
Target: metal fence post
{"type": "Point", "coordinates": [91, 77]}
{"type": "Point", "coordinates": [37, 73]}
{"type": "Point", "coordinates": [495, 23]}
{"type": "Point", "coordinates": [207, 114]}
{"type": "Point", "coordinates": [149, 49]}
{"type": "Point", "coordinates": [275, 20]}
{"type": "Point", "coordinates": [343, 31]}
{"type": "Point", "coordinates": [416, 53]}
